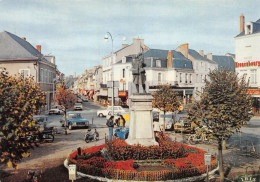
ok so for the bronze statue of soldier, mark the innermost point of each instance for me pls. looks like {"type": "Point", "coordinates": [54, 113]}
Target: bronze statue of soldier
{"type": "Point", "coordinates": [138, 72]}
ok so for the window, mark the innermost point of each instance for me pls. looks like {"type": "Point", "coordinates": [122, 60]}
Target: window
{"type": "Point", "coordinates": [41, 75]}
{"type": "Point", "coordinates": [123, 73]}
{"type": "Point", "coordinates": [159, 77]}
{"type": "Point", "coordinates": [190, 78]}
{"type": "Point", "coordinates": [45, 76]}
{"type": "Point", "coordinates": [25, 73]}
{"type": "Point", "coordinates": [158, 63]}
{"type": "Point", "coordinates": [253, 76]}
{"type": "Point", "coordinates": [180, 78]}
{"type": "Point", "coordinates": [186, 78]}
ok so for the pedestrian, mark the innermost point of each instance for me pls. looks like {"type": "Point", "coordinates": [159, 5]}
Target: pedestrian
{"type": "Point", "coordinates": [110, 124]}
{"type": "Point", "coordinates": [156, 128]}
{"type": "Point", "coordinates": [121, 122]}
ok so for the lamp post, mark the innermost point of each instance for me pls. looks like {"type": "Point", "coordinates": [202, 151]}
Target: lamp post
{"type": "Point", "coordinates": [54, 80]}
{"type": "Point", "coordinates": [106, 38]}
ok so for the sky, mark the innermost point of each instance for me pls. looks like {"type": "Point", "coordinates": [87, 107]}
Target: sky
{"type": "Point", "coordinates": [73, 30]}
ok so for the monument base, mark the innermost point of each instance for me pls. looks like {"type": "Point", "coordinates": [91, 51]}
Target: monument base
{"type": "Point", "coordinates": [141, 120]}
{"type": "Point", "coordinates": [142, 141]}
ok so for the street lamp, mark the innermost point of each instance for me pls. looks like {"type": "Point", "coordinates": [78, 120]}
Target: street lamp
{"type": "Point", "coordinates": [106, 38]}
{"type": "Point", "coordinates": [54, 79]}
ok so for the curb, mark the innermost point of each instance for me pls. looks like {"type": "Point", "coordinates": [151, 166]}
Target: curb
{"type": "Point", "coordinates": [189, 179]}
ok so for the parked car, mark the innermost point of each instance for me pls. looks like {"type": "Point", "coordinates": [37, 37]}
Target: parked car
{"type": "Point", "coordinates": [79, 100]}
{"type": "Point", "coordinates": [180, 114]}
{"type": "Point", "coordinates": [55, 111]}
{"type": "Point", "coordinates": [108, 111]}
{"type": "Point", "coordinates": [78, 106]}
{"type": "Point", "coordinates": [84, 99]}
{"type": "Point", "coordinates": [183, 125]}
{"type": "Point", "coordinates": [168, 120]}
{"type": "Point", "coordinates": [74, 120]}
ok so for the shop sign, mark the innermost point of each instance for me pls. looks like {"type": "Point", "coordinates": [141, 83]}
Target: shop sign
{"type": "Point", "coordinates": [253, 91]}
{"type": "Point", "coordinates": [247, 64]}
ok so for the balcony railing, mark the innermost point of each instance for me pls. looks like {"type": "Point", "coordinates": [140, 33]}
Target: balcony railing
{"type": "Point", "coordinates": [156, 83]}
{"type": "Point", "coordinates": [46, 86]}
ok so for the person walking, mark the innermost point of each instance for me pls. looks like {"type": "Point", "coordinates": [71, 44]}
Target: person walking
{"type": "Point", "coordinates": [121, 122]}
{"type": "Point", "coordinates": [110, 124]}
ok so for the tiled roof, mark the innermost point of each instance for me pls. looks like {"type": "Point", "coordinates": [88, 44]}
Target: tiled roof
{"type": "Point", "coordinates": [224, 62]}
{"type": "Point", "coordinates": [129, 59]}
{"type": "Point", "coordinates": [13, 47]}
{"type": "Point", "coordinates": [179, 61]}
{"type": "Point", "coordinates": [197, 56]}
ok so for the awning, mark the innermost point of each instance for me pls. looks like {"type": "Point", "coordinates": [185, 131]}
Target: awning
{"type": "Point", "coordinates": [102, 93]}
{"type": "Point", "coordinates": [122, 94]}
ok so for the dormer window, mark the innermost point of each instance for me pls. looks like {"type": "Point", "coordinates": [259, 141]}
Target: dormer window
{"type": "Point", "coordinates": [249, 28]}
{"type": "Point", "coordinates": [123, 59]}
{"type": "Point", "coordinates": [158, 63]}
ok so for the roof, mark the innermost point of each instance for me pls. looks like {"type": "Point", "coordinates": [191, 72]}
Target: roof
{"type": "Point", "coordinates": [256, 29]}
{"type": "Point", "coordinates": [14, 47]}
{"type": "Point", "coordinates": [179, 61]}
{"type": "Point", "coordinates": [197, 56]}
{"type": "Point", "coordinates": [129, 59]}
{"type": "Point", "coordinates": [224, 62]}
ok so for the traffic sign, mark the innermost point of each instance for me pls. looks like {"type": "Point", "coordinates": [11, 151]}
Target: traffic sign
{"type": "Point", "coordinates": [72, 172]}
{"type": "Point", "coordinates": [207, 158]}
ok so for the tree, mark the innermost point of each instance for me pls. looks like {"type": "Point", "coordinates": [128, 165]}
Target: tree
{"type": "Point", "coordinates": [20, 98]}
{"type": "Point", "coordinates": [166, 100]}
{"type": "Point", "coordinates": [66, 98]}
{"type": "Point", "coordinates": [224, 107]}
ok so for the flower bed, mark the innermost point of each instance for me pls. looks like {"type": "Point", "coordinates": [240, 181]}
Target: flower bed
{"type": "Point", "coordinates": [184, 161]}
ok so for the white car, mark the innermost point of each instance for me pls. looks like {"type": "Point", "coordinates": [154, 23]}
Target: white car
{"type": "Point", "coordinates": [108, 111]}
{"type": "Point", "coordinates": [168, 120]}
{"type": "Point", "coordinates": [78, 106]}
{"type": "Point", "coordinates": [55, 111]}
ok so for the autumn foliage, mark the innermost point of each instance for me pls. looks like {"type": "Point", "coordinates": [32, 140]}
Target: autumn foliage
{"type": "Point", "coordinates": [224, 107]}
{"type": "Point", "coordinates": [64, 96]}
{"type": "Point", "coordinates": [20, 98]}
{"type": "Point", "coordinates": [166, 100]}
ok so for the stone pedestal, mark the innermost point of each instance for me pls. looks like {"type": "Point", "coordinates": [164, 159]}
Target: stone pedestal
{"type": "Point", "coordinates": [141, 120]}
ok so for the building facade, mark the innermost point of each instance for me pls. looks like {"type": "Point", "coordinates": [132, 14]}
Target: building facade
{"type": "Point", "coordinates": [247, 46]}
{"type": "Point", "coordinates": [18, 56]}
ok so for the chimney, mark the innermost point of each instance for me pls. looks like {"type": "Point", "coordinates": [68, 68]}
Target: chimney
{"type": "Point", "coordinates": [169, 59]}
{"type": "Point", "coordinates": [209, 56]}
{"type": "Point", "coordinates": [24, 38]}
{"type": "Point", "coordinates": [201, 52]}
{"type": "Point", "coordinates": [124, 45]}
{"type": "Point", "coordinates": [184, 49]}
{"type": "Point", "coordinates": [138, 44]}
{"type": "Point", "coordinates": [242, 23]}
{"type": "Point", "coordinates": [39, 48]}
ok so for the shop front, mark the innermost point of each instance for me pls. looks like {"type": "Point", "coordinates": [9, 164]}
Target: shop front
{"type": "Point", "coordinates": [255, 92]}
